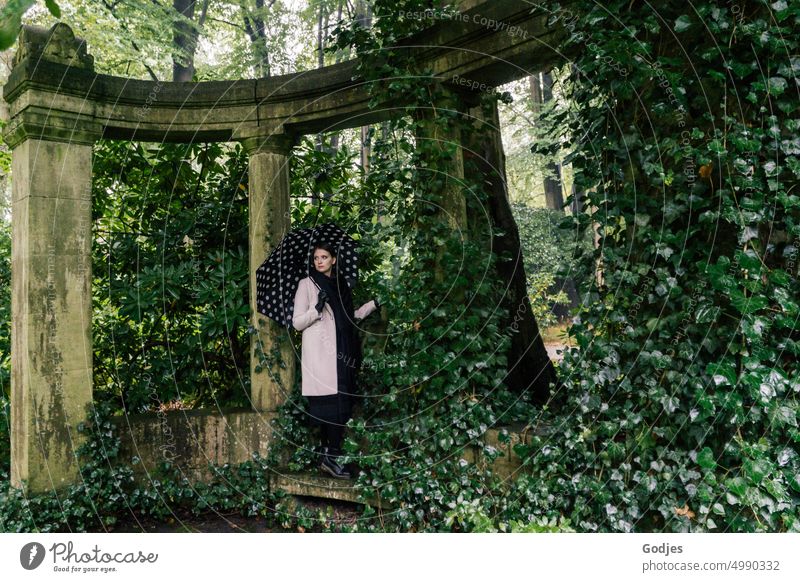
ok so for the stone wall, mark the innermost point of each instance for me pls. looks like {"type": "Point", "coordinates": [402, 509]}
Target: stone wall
{"type": "Point", "coordinates": [194, 440]}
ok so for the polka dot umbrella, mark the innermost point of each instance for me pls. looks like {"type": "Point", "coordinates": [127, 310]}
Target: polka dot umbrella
{"type": "Point", "coordinates": [278, 277]}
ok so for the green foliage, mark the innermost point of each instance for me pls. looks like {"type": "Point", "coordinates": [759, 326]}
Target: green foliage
{"type": "Point", "coordinates": [5, 154]}
{"type": "Point", "coordinates": [543, 298]}
{"type": "Point", "coordinates": [11, 19]}
{"type": "Point", "coordinates": [549, 253]}
{"type": "Point", "coordinates": [473, 518]}
{"type": "Point", "coordinates": [684, 399]}
{"type": "Point", "coordinates": [546, 245]}
{"type": "Point", "coordinates": [170, 266]}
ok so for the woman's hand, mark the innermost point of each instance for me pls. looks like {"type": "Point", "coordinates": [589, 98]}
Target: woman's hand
{"type": "Point", "coordinates": [321, 300]}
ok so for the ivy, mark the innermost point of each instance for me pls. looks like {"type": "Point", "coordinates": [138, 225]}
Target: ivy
{"type": "Point", "coordinates": [683, 397]}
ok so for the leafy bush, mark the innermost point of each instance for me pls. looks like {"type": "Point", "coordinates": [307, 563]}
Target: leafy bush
{"type": "Point", "coordinates": [170, 266]}
{"type": "Point", "coordinates": [549, 253]}
{"type": "Point", "coordinates": [107, 494]}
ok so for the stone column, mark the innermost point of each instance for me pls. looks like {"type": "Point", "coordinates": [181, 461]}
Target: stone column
{"type": "Point", "coordinates": [268, 189]}
{"type": "Point", "coordinates": [51, 269]}
{"type": "Point", "coordinates": [51, 306]}
{"type": "Point", "coordinates": [445, 140]}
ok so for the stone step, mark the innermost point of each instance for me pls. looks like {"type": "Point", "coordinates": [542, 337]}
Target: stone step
{"type": "Point", "coordinates": [312, 484]}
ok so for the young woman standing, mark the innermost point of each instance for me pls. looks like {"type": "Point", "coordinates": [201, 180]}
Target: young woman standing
{"type": "Point", "coordinates": [331, 351]}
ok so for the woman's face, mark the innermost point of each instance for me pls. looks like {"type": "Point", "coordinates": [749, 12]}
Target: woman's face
{"type": "Point", "coordinates": [323, 261]}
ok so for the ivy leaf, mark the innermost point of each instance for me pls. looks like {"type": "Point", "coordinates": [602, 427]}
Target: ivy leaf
{"type": "Point", "coordinates": [756, 470]}
{"type": "Point", "coordinates": [777, 85]}
{"type": "Point", "coordinates": [682, 23]}
{"type": "Point", "coordinates": [737, 486]}
{"type": "Point", "coordinates": [747, 305]}
{"type": "Point", "coordinates": [785, 415]}
{"type": "Point", "coordinates": [706, 458]}
{"type": "Point", "coordinates": [767, 392]}
{"type": "Point", "coordinates": [53, 8]}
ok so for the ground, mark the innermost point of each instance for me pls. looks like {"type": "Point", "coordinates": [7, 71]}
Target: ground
{"type": "Point", "coordinates": [340, 512]}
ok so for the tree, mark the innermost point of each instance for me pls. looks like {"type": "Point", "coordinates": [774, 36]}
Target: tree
{"type": "Point", "coordinates": [185, 34]}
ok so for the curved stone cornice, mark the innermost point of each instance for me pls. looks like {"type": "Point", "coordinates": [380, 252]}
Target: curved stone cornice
{"type": "Point", "coordinates": [491, 43]}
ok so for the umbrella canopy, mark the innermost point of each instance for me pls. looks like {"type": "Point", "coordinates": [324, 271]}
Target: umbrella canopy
{"type": "Point", "coordinates": [278, 277]}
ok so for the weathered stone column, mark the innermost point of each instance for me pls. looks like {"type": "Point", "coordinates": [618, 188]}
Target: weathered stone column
{"type": "Point", "coordinates": [445, 141]}
{"type": "Point", "coordinates": [268, 188]}
{"type": "Point", "coordinates": [51, 269]}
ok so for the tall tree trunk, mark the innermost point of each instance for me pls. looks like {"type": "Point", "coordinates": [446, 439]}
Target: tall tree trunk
{"type": "Point", "coordinates": [366, 148]}
{"type": "Point", "coordinates": [363, 16]}
{"type": "Point", "coordinates": [553, 195]}
{"type": "Point", "coordinates": [320, 58]}
{"type": "Point", "coordinates": [535, 83]}
{"type": "Point", "coordinates": [256, 31]}
{"type": "Point", "coordinates": [184, 38]}
{"type": "Point", "coordinates": [529, 366]}
{"type": "Point", "coordinates": [363, 13]}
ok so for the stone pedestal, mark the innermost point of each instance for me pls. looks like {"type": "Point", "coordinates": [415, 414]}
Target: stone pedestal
{"type": "Point", "coordinates": [268, 189]}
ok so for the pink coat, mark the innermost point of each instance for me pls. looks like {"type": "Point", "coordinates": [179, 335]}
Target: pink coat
{"type": "Point", "coordinates": [318, 360]}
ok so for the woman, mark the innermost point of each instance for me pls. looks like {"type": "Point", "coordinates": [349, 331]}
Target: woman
{"type": "Point", "coordinates": [331, 353]}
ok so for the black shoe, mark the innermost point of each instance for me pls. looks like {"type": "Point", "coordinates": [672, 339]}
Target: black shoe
{"type": "Point", "coordinates": [330, 465]}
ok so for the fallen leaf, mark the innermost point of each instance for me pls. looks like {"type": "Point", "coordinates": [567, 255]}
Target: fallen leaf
{"type": "Point", "coordinates": [684, 511]}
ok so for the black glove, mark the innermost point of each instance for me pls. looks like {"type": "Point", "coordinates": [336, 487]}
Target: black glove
{"type": "Point", "coordinates": [377, 303]}
{"type": "Point", "coordinates": [322, 299]}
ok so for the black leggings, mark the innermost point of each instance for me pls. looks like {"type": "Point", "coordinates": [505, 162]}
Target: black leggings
{"type": "Point", "coordinates": [331, 413]}
{"type": "Point", "coordinates": [332, 436]}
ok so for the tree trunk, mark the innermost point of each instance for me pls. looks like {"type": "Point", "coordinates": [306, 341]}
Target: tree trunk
{"type": "Point", "coordinates": [536, 93]}
{"type": "Point", "coordinates": [320, 60]}
{"type": "Point", "coordinates": [529, 366]}
{"type": "Point", "coordinates": [363, 15]}
{"type": "Point", "coordinates": [255, 28]}
{"type": "Point", "coordinates": [553, 194]}
{"type": "Point", "coordinates": [184, 40]}
{"type": "Point", "coordinates": [366, 148]}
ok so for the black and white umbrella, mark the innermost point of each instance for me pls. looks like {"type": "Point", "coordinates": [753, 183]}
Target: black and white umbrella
{"type": "Point", "coordinates": [278, 277]}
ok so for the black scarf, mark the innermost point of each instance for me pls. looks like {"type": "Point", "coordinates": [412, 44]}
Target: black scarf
{"type": "Point", "coordinates": [348, 346]}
